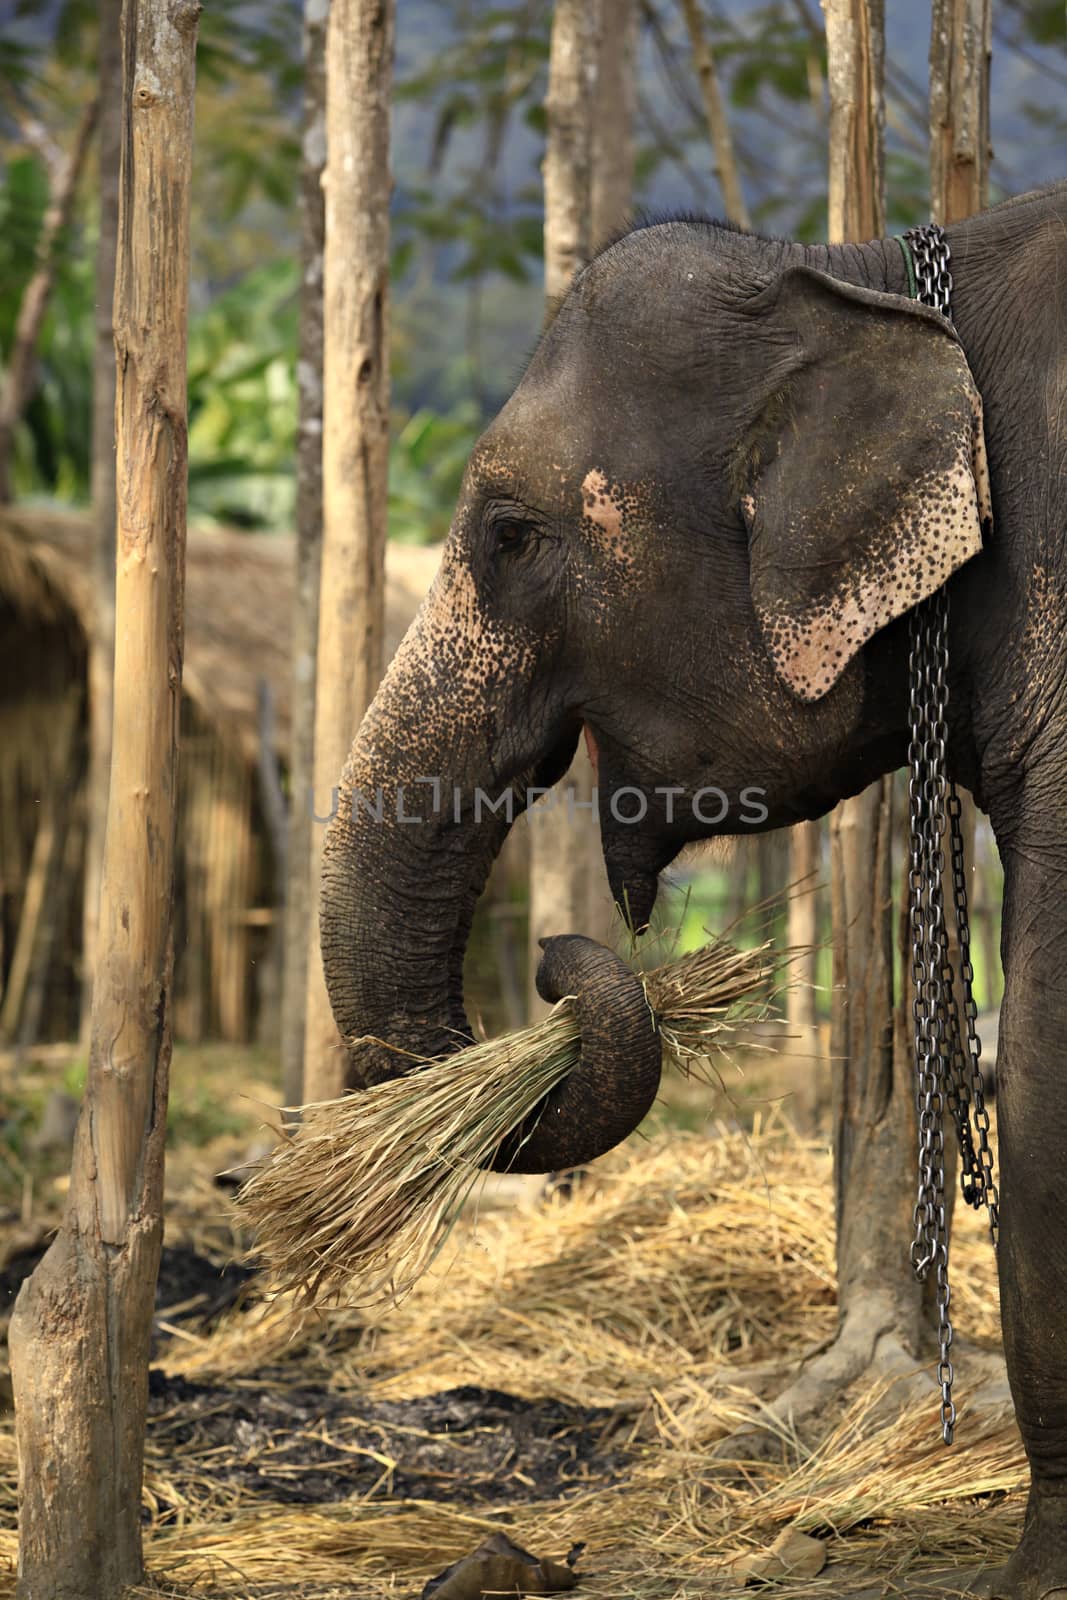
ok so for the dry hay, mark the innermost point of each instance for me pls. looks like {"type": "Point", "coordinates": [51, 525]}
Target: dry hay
{"type": "Point", "coordinates": [652, 1293]}
{"type": "Point", "coordinates": [361, 1198]}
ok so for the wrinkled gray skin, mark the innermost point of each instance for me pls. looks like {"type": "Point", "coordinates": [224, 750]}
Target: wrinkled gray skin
{"type": "Point", "coordinates": [696, 529]}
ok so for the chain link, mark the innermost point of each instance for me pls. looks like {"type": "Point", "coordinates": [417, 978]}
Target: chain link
{"type": "Point", "coordinates": [947, 1056]}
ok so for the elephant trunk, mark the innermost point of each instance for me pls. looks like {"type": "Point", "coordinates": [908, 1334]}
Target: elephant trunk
{"type": "Point", "coordinates": [602, 1101]}
{"type": "Point", "coordinates": [404, 861]}
{"type": "Point", "coordinates": [397, 901]}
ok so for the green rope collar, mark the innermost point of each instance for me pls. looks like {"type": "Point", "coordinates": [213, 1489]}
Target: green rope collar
{"type": "Point", "coordinates": [909, 266]}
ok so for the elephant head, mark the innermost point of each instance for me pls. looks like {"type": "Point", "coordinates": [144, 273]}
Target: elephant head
{"type": "Point", "coordinates": [691, 532]}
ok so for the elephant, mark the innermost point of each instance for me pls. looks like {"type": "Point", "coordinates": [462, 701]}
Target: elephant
{"type": "Point", "coordinates": [695, 534]}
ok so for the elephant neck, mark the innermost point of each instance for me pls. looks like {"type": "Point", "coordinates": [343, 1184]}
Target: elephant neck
{"type": "Point", "coordinates": [878, 264]}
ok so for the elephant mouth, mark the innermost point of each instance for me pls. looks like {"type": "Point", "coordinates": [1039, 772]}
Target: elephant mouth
{"type": "Point", "coordinates": [634, 854]}
{"type": "Point", "coordinates": [634, 861]}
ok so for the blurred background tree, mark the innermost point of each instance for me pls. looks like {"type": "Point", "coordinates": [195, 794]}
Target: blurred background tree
{"type": "Point", "coordinates": [467, 255]}
{"type": "Point", "coordinates": [469, 139]}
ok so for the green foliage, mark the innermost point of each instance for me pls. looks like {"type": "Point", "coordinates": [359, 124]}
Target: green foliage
{"type": "Point", "coordinates": [772, 55]}
{"type": "Point", "coordinates": [197, 1115]}
{"type": "Point", "coordinates": [52, 445]}
{"type": "Point", "coordinates": [1041, 21]}
{"type": "Point", "coordinates": [75, 1076]}
{"type": "Point", "coordinates": [249, 75]}
{"type": "Point", "coordinates": [486, 84]}
{"type": "Point", "coordinates": [242, 401]}
{"type": "Point", "coordinates": [469, 130]}
{"type": "Point", "coordinates": [425, 471]}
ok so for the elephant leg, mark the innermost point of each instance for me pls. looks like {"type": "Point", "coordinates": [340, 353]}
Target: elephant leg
{"type": "Point", "coordinates": [1032, 1125]}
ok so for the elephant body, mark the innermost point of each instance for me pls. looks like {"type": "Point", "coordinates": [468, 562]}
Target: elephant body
{"type": "Point", "coordinates": [696, 531]}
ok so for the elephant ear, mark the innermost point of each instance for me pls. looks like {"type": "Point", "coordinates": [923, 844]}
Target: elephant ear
{"type": "Point", "coordinates": [864, 482]}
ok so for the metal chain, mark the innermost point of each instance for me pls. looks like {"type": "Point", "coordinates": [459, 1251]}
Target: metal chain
{"type": "Point", "coordinates": [926, 791]}
{"type": "Point", "coordinates": [933, 276]}
{"type": "Point", "coordinates": [947, 1065]}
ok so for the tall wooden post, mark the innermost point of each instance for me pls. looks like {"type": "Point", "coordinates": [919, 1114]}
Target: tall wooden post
{"type": "Point", "coordinates": [355, 442]}
{"type": "Point", "coordinates": [299, 890]}
{"type": "Point", "coordinates": [805, 841]}
{"type": "Point", "coordinates": [612, 178]}
{"type": "Point", "coordinates": [102, 643]}
{"type": "Point", "coordinates": [873, 1108]}
{"type": "Point", "coordinates": [568, 169]}
{"type": "Point", "coordinates": [81, 1330]}
{"type": "Point", "coordinates": [960, 49]}
{"type": "Point", "coordinates": [722, 143]}
{"type": "Point", "coordinates": [589, 172]}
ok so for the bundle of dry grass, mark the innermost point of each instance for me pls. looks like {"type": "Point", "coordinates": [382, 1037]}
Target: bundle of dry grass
{"type": "Point", "coordinates": [361, 1198]}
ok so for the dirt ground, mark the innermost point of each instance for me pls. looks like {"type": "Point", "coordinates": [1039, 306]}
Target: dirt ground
{"type": "Point", "coordinates": [564, 1374]}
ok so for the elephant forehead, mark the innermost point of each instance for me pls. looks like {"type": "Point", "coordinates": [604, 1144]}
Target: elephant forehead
{"type": "Point", "coordinates": [541, 460]}
{"type": "Point", "coordinates": [495, 459]}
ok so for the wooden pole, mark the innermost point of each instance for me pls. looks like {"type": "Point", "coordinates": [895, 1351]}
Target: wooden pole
{"type": "Point", "coordinates": [81, 1329]}
{"type": "Point", "coordinates": [565, 873]}
{"type": "Point", "coordinates": [55, 920]}
{"type": "Point", "coordinates": [102, 640]}
{"type": "Point", "coordinates": [568, 168]}
{"type": "Point", "coordinates": [960, 48]}
{"type": "Point", "coordinates": [359, 69]}
{"type": "Point", "coordinates": [960, 52]}
{"type": "Point", "coordinates": [299, 899]}
{"type": "Point", "coordinates": [805, 842]}
{"type": "Point", "coordinates": [37, 923]}
{"type": "Point", "coordinates": [722, 142]}
{"type": "Point", "coordinates": [613, 154]}
{"type": "Point", "coordinates": [855, 56]}
{"type": "Point", "coordinates": [873, 1112]}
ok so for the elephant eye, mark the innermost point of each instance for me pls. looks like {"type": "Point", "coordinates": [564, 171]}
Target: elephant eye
{"type": "Point", "coordinates": [510, 536]}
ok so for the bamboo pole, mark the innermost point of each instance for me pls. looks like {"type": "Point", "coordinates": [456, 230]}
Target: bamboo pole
{"type": "Point", "coordinates": [960, 48]}
{"type": "Point", "coordinates": [355, 449]}
{"type": "Point", "coordinates": [611, 195]}
{"type": "Point", "coordinates": [800, 1000]}
{"type": "Point", "coordinates": [41, 877]}
{"type": "Point", "coordinates": [102, 639]}
{"type": "Point", "coordinates": [565, 874]}
{"type": "Point", "coordinates": [52, 886]}
{"type": "Point", "coordinates": [855, 46]}
{"type": "Point", "coordinates": [81, 1329]}
{"type": "Point", "coordinates": [299, 890]}
{"type": "Point", "coordinates": [49, 953]}
{"type": "Point", "coordinates": [568, 166]}
{"type": "Point", "coordinates": [722, 142]}
{"type": "Point", "coordinates": [960, 53]}
{"type": "Point", "coordinates": [873, 1113]}
{"type": "Point", "coordinates": [234, 875]}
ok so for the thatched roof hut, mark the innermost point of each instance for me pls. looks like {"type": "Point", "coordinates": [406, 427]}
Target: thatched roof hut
{"type": "Point", "coordinates": [238, 610]}
{"type": "Point", "coordinates": [238, 606]}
